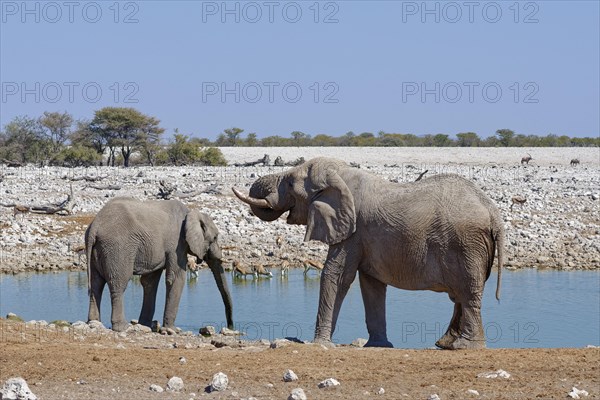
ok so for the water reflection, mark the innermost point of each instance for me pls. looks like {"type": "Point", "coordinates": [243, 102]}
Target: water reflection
{"type": "Point", "coordinates": [538, 309]}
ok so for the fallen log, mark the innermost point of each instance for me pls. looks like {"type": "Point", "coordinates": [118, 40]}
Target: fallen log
{"type": "Point", "coordinates": [86, 178]}
{"type": "Point", "coordinates": [107, 187]}
{"type": "Point", "coordinates": [64, 206]}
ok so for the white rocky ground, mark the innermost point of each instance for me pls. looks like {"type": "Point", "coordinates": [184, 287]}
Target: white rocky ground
{"type": "Point", "coordinates": [558, 226]}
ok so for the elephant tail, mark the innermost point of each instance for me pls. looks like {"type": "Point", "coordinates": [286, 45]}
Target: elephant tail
{"type": "Point", "coordinates": [90, 240]}
{"type": "Point", "coordinates": [499, 239]}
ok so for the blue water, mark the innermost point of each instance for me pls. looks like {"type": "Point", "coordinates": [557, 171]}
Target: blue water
{"type": "Point", "coordinates": [538, 308]}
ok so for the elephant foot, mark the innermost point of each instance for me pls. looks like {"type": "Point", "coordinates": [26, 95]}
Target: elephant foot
{"type": "Point", "coordinates": [167, 331]}
{"type": "Point", "coordinates": [460, 343]}
{"type": "Point", "coordinates": [445, 342]}
{"type": "Point", "coordinates": [378, 343]}
{"type": "Point", "coordinates": [120, 326]}
{"type": "Point", "coordinates": [324, 342]}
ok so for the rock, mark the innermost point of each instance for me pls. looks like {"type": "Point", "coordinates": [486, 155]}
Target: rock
{"type": "Point", "coordinates": [219, 382]}
{"type": "Point", "coordinates": [16, 389]}
{"type": "Point", "coordinates": [473, 392]}
{"type": "Point", "coordinates": [434, 397]}
{"type": "Point", "coordinates": [182, 360]}
{"type": "Point", "coordinates": [94, 324]}
{"type": "Point", "coordinates": [175, 384]}
{"type": "Point", "coordinates": [156, 388]}
{"type": "Point", "coordinates": [207, 330]}
{"type": "Point", "coordinates": [139, 328]}
{"type": "Point", "coordinates": [329, 382]}
{"type": "Point", "coordinates": [289, 376]}
{"type": "Point", "coordinates": [359, 342]}
{"type": "Point", "coordinates": [229, 332]}
{"type": "Point", "coordinates": [297, 394]}
{"type": "Point", "coordinates": [381, 391]}
{"type": "Point", "coordinates": [494, 374]}
{"type": "Point", "coordinates": [577, 393]}
{"type": "Point", "coordinates": [277, 343]}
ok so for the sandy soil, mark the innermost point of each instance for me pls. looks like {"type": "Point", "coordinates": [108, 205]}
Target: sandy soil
{"type": "Point", "coordinates": [112, 367]}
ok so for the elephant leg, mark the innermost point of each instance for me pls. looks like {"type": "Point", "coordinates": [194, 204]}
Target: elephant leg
{"type": "Point", "coordinates": [337, 276]}
{"type": "Point", "coordinates": [373, 294]}
{"type": "Point", "coordinates": [445, 342]}
{"type": "Point", "coordinates": [471, 334]}
{"type": "Point", "coordinates": [175, 281]}
{"type": "Point", "coordinates": [97, 283]}
{"type": "Point", "coordinates": [117, 319]}
{"type": "Point", "coordinates": [150, 284]}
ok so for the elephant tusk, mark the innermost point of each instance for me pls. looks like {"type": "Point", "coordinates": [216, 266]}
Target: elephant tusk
{"type": "Point", "coordinates": [262, 203]}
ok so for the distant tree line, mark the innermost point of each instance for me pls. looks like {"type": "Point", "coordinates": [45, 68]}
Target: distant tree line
{"type": "Point", "coordinates": [502, 138]}
{"type": "Point", "coordinates": [125, 136]}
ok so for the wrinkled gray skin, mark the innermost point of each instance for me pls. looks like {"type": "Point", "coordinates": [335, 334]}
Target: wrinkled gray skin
{"type": "Point", "coordinates": [129, 237]}
{"type": "Point", "coordinates": [439, 234]}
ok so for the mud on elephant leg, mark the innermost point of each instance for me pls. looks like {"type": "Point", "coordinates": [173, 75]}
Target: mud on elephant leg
{"type": "Point", "coordinates": [373, 294]}
{"type": "Point", "coordinates": [445, 342]}
{"type": "Point", "coordinates": [150, 284]}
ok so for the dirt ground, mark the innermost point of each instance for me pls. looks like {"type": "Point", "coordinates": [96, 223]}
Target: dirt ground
{"type": "Point", "coordinates": [67, 366]}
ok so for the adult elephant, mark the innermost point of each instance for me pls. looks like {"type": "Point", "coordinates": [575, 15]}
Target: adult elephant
{"type": "Point", "coordinates": [129, 237]}
{"type": "Point", "coordinates": [439, 234]}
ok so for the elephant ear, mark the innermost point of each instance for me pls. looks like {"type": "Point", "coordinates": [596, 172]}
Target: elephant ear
{"type": "Point", "coordinates": [331, 213]}
{"type": "Point", "coordinates": [194, 234]}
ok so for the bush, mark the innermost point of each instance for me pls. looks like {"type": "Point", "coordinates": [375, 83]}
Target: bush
{"type": "Point", "coordinates": [77, 156]}
{"type": "Point", "coordinates": [212, 156]}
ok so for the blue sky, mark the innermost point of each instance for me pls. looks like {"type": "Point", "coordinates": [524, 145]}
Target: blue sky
{"type": "Point", "coordinates": [317, 67]}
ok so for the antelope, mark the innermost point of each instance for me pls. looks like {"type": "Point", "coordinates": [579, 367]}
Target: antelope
{"type": "Point", "coordinates": [260, 270]}
{"type": "Point", "coordinates": [192, 266]}
{"type": "Point", "coordinates": [285, 267]}
{"type": "Point", "coordinates": [526, 159]}
{"type": "Point", "coordinates": [517, 200]}
{"type": "Point", "coordinates": [241, 270]}
{"type": "Point", "coordinates": [279, 241]}
{"type": "Point", "coordinates": [19, 209]}
{"type": "Point", "coordinates": [310, 264]}
{"type": "Point", "coordinates": [574, 162]}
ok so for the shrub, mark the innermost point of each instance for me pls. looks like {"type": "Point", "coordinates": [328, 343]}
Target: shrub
{"type": "Point", "coordinates": [77, 156]}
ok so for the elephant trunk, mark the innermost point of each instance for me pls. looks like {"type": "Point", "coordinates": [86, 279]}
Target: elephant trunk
{"type": "Point", "coordinates": [215, 265]}
{"type": "Point", "coordinates": [264, 198]}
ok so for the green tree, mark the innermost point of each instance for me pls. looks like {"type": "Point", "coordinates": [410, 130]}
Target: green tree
{"type": "Point", "coordinates": [233, 136]}
{"type": "Point", "coordinates": [56, 127]}
{"type": "Point", "coordinates": [468, 139]}
{"type": "Point", "coordinates": [323, 140]}
{"type": "Point", "coordinates": [181, 151]}
{"type": "Point", "coordinates": [251, 140]}
{"type": "Point", "coordinates": [505, 136]}
{"type": "Point", "coordinates": [441, 140]}
{"type": "Point", "coordinates": [24, 141]}
{"type": "Point", "coordinates": [300, 138]}
{"type": "Point", "coordinates": [126, 129]}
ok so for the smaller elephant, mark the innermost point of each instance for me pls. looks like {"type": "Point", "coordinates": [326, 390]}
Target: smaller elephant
{"type": "Point", "coordinates": [129, 237]}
